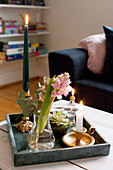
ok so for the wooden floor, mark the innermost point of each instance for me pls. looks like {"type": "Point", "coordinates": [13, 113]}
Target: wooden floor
{"type": "Point", "coordinates": [8, 99]}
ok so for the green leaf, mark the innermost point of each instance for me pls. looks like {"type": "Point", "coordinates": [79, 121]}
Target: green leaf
{"type": "Point", "coordinates": [48, 99]}
{"type": "Point", "coordinates": [26, 104]}
{"type": "Point", "coordinates": [29, 110]}
{"type": "Point", "coordinates": [21, 95]}
{"type": "Point", "coordinates": [46, 106]}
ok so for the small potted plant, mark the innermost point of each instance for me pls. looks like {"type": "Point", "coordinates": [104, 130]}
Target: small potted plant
{"type": "Point", "coordinates": [59, 123]}
{"type": "Point", "coordinates": [41, 128]}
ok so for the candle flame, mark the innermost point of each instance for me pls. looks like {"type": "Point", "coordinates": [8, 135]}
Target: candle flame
{"type": "Point", "coordinates": [81, 105]}
{"type": "Point", "coordinates": [73, 91]}
{"type": "Point", "coordinates": [26, 19]}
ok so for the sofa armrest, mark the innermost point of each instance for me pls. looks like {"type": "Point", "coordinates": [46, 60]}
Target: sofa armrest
{"type": "Point", "coordinates": [73, 61]}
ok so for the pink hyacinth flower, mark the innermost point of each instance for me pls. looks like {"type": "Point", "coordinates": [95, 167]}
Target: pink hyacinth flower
{"type": "Point", "coordinates": [56, 85]}
{"type": "Point", "coordinates": [61, 84]}
{"type": "Point", "coordinates": [54, 94]}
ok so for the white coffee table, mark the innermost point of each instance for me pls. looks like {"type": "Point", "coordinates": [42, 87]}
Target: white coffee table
{"type": "Point", "coordinates": [103, 121]}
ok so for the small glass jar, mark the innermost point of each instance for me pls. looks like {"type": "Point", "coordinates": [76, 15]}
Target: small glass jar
{"type": "Point", "coordinates": [41, 141]}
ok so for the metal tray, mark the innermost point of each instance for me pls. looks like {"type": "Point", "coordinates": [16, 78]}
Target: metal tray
{"type": "Point", "coordinates": [22, 155]}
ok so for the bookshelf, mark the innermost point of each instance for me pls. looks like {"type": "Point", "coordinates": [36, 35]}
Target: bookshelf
{"type": "Point", "coordinates": [12, 71]}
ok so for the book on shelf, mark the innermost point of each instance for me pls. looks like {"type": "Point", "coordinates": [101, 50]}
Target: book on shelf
{"type": "Point", "coordinates": [35, 45]}
{"type": "Point", "coordinates": [14, 42]}
{"type": "Point", "coordinates": [6, 46]}
{"type": "Point", "coordinates": [34, 54]}
{"type": "Point", "coordinates": [20, 56]}
{"type": "Point", "coordinates": [1, 29]}
{"type": "Point", "coordinates": [10, 26]}
{"type": "Point", "coordinates": [14, 57]}
{"type": "Point", "coordinates": [2, 57]}
{"type": "Point", "coordinates": [42, 51]}
{"type": "Point", "coordinates": [41, 26]}
{"type": "Point", "coordinates": [14, 51]}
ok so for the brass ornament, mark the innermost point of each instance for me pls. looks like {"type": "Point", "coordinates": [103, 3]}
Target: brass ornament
{"type": "Point", "coordinates": [24, 125]}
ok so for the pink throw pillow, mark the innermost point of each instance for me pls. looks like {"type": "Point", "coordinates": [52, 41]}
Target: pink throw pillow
{"type": "Point", "coordinates": [95, 44]}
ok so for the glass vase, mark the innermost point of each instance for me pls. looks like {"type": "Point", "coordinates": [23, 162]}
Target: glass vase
{"type": "Point", "coordinates": [41, 141]}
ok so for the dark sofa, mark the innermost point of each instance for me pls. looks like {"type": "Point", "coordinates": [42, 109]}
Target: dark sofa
{"type": "Point", "coordinates": [94, 90]}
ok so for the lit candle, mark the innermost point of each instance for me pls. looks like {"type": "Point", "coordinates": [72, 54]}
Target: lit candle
{"type": "Point", "coordinates": [72, 98]}
{"type": "Point", "coordinates": [79, 118]}
{"type": "Point", "coordinates": [25, 83]}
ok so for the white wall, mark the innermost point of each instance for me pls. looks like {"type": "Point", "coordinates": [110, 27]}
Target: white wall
{"type": "Point", "coordinates": [71, 20]}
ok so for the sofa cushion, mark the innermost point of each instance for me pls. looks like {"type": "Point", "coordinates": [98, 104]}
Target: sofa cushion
{"type": "Point", "coordinates": [95, 44]}
{"type": "Point", "coordinates": [108, 65]}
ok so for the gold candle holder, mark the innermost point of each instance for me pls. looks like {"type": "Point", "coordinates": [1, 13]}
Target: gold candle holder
{"type": "Point", "coordinates": [27, 94]}
{"type": "Point", "coordinates": [76, 138]}
{"type": "Point", "coordinates": [79, 135]}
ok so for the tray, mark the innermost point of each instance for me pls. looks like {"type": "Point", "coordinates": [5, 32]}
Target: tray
{"type": "Point", "coordinates": [22, 155]}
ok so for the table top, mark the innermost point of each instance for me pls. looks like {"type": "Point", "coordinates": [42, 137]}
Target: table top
{"type": "Point", "coordinates": [103, 121]}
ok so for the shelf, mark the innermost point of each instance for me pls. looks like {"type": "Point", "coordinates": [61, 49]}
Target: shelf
{"type": "Point", "coordinates": [23, 6]}
{"type": "Point", "coordinates": [21, 35]}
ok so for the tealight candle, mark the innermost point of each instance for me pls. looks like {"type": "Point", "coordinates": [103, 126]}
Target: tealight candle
{"type": "Point", "coordinates": [79, 118]}
{"type": "Point", "coordinates": [25, 83]}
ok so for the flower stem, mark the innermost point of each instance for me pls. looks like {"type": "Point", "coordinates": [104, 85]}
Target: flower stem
{"type": "Point", "coordinates": [43, 118]}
